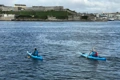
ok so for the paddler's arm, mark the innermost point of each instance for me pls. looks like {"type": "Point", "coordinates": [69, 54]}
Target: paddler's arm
{"type": "Point", "coordinates": [33, 53]}
{"type": "Point", "coordinates": [89, 53]}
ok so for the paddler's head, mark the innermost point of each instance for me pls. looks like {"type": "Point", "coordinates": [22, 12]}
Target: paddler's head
{"type": "Point", "coordinates": [35, 48]}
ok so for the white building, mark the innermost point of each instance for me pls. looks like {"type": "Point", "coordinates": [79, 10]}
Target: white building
{"type": "Point", "coordinates": [7, 17]}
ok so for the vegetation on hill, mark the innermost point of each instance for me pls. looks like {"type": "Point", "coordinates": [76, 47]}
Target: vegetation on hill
{"type": "Point", "coordinates": [39, 14]}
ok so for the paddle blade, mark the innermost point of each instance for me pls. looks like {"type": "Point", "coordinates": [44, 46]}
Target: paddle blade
{"type": "Point", "coordinates": [28, 56]}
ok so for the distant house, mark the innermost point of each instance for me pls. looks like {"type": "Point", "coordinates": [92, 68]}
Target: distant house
{"type": "Point", "coordinates": [1, 6]}
{"type": "Point", "coordinates": [19, 7]}
{"type": "Point", "coordinates": [118, 17]}
{"type": "Point", "coordinates": [7, 8]}
{"type": "Point", "coordinates": [103, 16]}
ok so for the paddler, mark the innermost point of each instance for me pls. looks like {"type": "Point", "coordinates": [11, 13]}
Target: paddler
{"type": "Point", "coordinates": [35, 53]}
{"type": "Point", "coordinates": [93, 53]}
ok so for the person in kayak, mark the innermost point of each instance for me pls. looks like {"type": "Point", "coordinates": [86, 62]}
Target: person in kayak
{"type": "Point", "coordinates": [93, 53]}
{"type": "Point", "coordinates": [35, 53]}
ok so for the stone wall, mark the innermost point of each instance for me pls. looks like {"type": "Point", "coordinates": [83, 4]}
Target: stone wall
{"type": "Point", "coordinates": [33, 8]}
{"type": "Point", "coordinates": [7, 8]}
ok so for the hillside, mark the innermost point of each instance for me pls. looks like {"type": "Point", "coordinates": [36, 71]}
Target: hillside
{"type": "Point", "coordinates": [38, 14]}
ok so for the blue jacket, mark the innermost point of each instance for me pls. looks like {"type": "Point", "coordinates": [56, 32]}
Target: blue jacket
{"type": "Point", "coordinates": [35, 53]}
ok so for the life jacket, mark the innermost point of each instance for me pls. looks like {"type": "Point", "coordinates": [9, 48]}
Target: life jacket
{"type": "Point", "coordinates": [96, 54]}
{"type": "Point", "coordinates": [35, 53]}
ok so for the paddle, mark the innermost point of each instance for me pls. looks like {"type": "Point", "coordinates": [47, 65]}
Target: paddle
{"type": "Point", "coordinates": [91, 51]}
{"type": "Point", "coordinates": [28, 56]}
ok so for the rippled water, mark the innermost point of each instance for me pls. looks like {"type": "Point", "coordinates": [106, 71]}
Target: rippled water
{"type": "Point", "coordinates": [59, 43]}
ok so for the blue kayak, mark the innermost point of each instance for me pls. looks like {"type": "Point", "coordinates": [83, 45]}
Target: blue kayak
{"type": "Point", "coordinates": [86, 55]}
{"type": "Point", "coordinates": [35, 57]}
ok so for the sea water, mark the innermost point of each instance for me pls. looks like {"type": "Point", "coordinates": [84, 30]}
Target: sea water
{"type": "Point", "coordinates": [59, 43]}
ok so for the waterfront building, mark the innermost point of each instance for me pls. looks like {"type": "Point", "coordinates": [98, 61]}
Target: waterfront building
{"type": "Point", "coordinates": [118, 17]}
{"type": "Point", "coordinates": [7, 17]}
{"type": "Point", "coordinates": [51, 18]}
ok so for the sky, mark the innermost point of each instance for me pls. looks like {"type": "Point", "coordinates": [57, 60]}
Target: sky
{"type": "Point", "coordinates": [80, 6]}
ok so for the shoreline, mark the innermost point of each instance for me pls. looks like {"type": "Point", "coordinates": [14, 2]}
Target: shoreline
{"type": "Point", "coordinates": [56, 20]}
